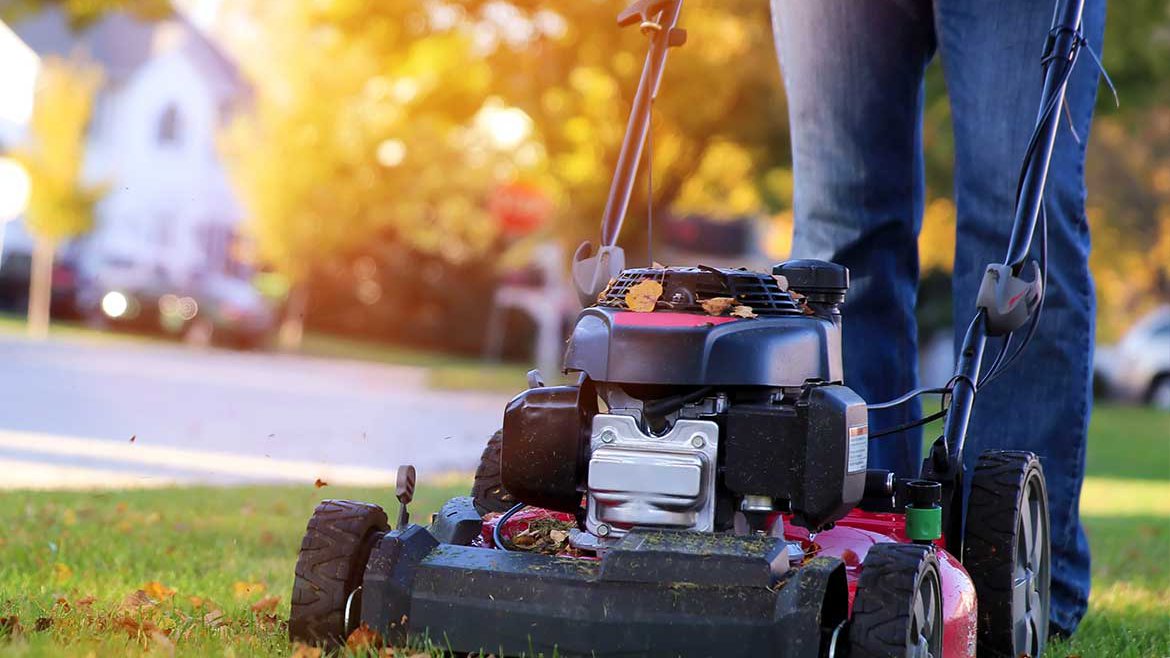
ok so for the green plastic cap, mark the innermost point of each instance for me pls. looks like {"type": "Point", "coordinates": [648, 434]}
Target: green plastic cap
{"type": "Point", "coordinates": [923, 524]}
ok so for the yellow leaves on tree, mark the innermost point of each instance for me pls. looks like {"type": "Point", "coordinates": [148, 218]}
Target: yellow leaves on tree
{"type": "Point", "coordinates": [60, 204]}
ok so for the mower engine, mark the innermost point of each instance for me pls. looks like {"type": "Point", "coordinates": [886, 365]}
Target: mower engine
{"type": "Point", "coordinates": [691, 420]}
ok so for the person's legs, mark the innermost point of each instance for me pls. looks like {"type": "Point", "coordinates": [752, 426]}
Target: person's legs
{"type": "Point", "coordinates": [991, 51]}
{"type": "Point", "coordinates": [853, 72]}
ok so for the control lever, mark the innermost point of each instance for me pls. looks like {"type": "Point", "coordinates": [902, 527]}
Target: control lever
{"type": "Point", "coordinates": [404, 491]}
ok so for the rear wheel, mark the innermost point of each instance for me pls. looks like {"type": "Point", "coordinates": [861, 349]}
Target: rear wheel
{"type": "Point", "coordinates": [1159, 394]}
{"type": "Point", "coordinates": [898, 607]}
{"type": "Point", "coordinates": [1006, 550]}
{"type": "Point", "coordinates": [487, 490]}
{"type": "Point", "coordinates": [330, 566]}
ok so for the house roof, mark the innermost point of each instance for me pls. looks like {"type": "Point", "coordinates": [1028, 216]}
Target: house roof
{"type": "Point", "coordinates": [121, 43]}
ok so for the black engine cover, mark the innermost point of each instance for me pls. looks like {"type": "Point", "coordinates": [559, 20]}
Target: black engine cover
{"type": "Point", "coordinates": [546, 434]}
{"type": "Point", "coordinates": [812, 454]}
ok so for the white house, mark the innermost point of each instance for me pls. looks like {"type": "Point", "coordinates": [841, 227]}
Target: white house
{"type": "Point", "coordinates": [170, 212]}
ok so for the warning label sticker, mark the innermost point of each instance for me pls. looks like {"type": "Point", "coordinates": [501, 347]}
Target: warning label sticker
{"type": "Point", "coordinates": [858, 447]}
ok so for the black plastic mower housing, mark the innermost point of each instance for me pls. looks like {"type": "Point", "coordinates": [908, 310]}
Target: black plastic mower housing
{"type": "Point", "coordinates": [657, 593]}
{"type": "Point", "coordinates": [663, 348]}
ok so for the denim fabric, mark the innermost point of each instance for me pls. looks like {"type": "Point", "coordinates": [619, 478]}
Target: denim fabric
{"type": "Point", "coordinates": [853, 71]}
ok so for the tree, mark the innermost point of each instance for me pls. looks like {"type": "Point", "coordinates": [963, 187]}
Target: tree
{"type": "Point", "coordinates": [61, 202]}
{"type": "Point", "coordinates": [362, 128]}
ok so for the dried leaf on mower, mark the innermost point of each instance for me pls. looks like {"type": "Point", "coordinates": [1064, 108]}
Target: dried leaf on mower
{"type": "Point", "coordinates": [643, 297]}
{"type": "Point", "coordinates": [547, 536]}
{"type": "Point", "coordinates": [743, 312]}
{"type": "Point", "coordinates": [717, 305]}
{"type": "Point", "coordinates": [781, 281]}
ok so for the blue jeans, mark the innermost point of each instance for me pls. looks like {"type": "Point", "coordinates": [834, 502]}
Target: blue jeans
{"type": "Point", "coordinates": [853, 71]}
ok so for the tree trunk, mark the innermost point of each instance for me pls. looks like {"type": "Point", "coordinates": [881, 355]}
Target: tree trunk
{"type": "Point", "coordinates": [292, 328]}
{"type": "Point", "coordinates": [40, 289]}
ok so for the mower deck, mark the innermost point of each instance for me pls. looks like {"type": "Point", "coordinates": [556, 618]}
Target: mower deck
{"type": "Point", "coordinates": [656, 593]}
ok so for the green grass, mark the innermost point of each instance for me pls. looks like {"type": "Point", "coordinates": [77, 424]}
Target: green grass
{"type": "Point", "coordinates": [204, 541]}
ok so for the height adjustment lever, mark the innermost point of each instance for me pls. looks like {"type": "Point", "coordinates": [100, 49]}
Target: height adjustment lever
{"type": "Point", "coordinates": [1007, 300]}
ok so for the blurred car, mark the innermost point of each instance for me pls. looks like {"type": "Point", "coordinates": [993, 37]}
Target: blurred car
{"type": "Point", "coordinates": [217, 309]}
{"type": "Point", "coordinates": [1137, 369]}
{"type": "Point", "coordinates": [15, 268]}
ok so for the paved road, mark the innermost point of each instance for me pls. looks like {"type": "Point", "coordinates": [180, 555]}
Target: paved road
{"type": "Point", "coordinates": [69, 408]}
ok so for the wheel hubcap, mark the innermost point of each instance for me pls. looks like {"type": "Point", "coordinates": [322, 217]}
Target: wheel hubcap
{"type": "Point", "coordinates": [1030, 578]}
{"type": "Point", "coordinates": [926, 619]}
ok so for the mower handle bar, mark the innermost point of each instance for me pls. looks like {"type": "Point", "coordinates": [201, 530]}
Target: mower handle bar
{"type": "Point", "coordinates": [659, 18]}
{"type": "Point", "coordinates": [945, 461]}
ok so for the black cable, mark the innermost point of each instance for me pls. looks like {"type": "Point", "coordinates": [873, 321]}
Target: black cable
{"type": "Point", "coordinates": [910, 425]}
{"type": "Point", "coordinates": [890, 404]}
{"type": "Point", "coordinates": [497, 536]}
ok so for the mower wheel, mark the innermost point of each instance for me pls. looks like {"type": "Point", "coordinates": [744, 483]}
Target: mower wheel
{"type": "Point", "coordinates": [1006, 550]}
{"type": "Point", "coordinates": [898, 607]}
{"type": "Point", "coordinates": [487, 490]}
{"type": "Point", "coordinates": [330, 566]}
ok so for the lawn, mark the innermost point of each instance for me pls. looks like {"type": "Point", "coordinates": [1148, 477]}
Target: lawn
{"type": "Point", "coordinates": [69, 561]}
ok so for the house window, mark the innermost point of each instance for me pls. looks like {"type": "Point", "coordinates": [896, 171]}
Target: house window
{"type": "Point", "coordinates": [169, 125]}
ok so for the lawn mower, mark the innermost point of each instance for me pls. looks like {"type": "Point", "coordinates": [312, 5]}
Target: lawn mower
{"type": "Point", "coordinates": [703, 488]}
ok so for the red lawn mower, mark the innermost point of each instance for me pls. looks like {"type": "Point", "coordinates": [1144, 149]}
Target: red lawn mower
{"type": "Point", "coordinates": [703, 489]}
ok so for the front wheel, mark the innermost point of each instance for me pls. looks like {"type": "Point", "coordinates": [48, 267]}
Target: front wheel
{"type": "Point", "coordinates": [330, 566]}
{"type": "Point", "coordinates": [1006, 550]}
{"type": "Point", "coordinates": [898, 607]}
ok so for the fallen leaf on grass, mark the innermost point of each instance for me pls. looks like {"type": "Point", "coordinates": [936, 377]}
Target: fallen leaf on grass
{"type": "Point", "coordinates": [320, 483]}
{"type": "Point", "coordinates": [717, 305]}
{"type": "Point", "coordinates": [137, 599]}
{"type": "Point", "coordinates": [10, 626]}
{"type": "Point", "coordinates": [363, 637]}
{"type": "Point", "coordinates": [214, 619]}
{"type": "Point", "coordinates": [271, 622]}
{"type": "Point", "coordinates": [158, 591]}
{"type": "Point", "coordinates": [266, 604]}
{"type": "Point", "coordinates": [642, 297]}
{"type": "Point", "coordinates": [743, 312]}
{"type": "Point", "coordinates": [62, 572]}
{"type": "Point", "coordinates": [196, 601]}
{"type": "Point", "coordinates": [85, 601]}
{"type": "Point", "coordinates": [301, 650]}
{"type": "Point", "coordinates": [62, 603]}
{"type": "Point", "coordinates": [43, 624]}
{"type": "Point", "coordinates": [135, 628]}
{"type": "Point", "coordinates": [243, 589]}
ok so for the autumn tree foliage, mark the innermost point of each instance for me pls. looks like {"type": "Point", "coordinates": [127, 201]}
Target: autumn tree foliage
{"type": "Point", "coordinates": [61, 202]}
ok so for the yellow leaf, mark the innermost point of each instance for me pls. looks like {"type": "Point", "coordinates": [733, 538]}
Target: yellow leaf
{"type": "Point", "coordinates": [717, 305]}
{"type": "Point", "coordinates": [743, 312]}
{"type": "Point", "coordinates": [245, 590]}
{"type": "Point", "coordinates": [642, 297]}
{"type": "Point", "coordinates": [301, 650]}
{"type": "Point", "coordinates": [158, 591]}
{"type": "Point", "coordinates": [363, 637]}
{"type": "Point", "coordinates": [61, 572]}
